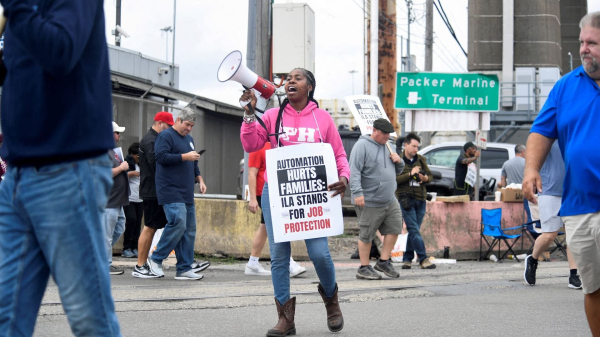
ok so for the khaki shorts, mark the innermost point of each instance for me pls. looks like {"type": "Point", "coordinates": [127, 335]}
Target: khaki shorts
{"type": "Point", "coordinates": [583, 238]}
{"type": "Point", "coordinates": [387, 219]}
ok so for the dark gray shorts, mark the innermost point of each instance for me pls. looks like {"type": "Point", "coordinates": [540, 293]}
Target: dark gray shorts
{"type": "Point", "coordinates": [387, 219]}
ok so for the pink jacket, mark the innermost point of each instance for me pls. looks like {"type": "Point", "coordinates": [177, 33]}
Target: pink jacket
{"type": "Point", "coordinates": [299, 128]}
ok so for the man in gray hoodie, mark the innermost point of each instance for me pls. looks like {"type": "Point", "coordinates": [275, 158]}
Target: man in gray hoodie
{"type": "Point", "coordinates": [373, 171]}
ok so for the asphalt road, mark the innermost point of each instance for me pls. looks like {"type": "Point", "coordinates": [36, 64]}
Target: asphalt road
{"type": "Point", "coordinates": [465, 299]}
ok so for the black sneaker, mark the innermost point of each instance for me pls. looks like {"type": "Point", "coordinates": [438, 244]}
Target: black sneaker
{"type": "Point", "coordinates": [198, 266]}
{"type": "Point", "coordinates": [530, 268]}
{"type": "Point", "coordinates": [144, 272]}
{"type": "Point", "coordinates": [367, 273]}
{"type": "Point", "coordinates": [116, 271]}
{"type": "Point", "coordinates": [574, 282]}
{"type": "Point", "coordinates": [386, 268]}
{"type": "Point", "coordinates": [355, 255]}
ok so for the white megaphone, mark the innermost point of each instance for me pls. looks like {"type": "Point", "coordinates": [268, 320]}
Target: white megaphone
{"type": "Point", "coordinates": [232, 69]}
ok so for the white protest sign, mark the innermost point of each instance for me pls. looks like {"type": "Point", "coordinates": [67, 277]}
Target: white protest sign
{"type": "Point", "coordinates": [301, 206]}
{"type": "Point", "coordinates": [481, 139]}
{"type": "Point", "coordinates": [119, 153]}
{"type": "Point", "coordinates": [471, 177]}
{"type": "Point", "coordinates": [366, 109]}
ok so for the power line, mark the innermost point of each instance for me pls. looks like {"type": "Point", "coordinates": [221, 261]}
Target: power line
{"type": "Point", "coordinates": [451, 65]}
{"type": "Point", "coordinates": [447, 23]}
{"type": "Point", "coordinates": [444, 46]}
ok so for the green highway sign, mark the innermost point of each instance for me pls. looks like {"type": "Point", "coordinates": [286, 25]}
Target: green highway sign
{"type": "Point", "coordinates": [445, 91]}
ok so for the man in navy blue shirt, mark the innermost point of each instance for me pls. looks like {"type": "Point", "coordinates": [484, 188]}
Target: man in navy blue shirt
{"type": "Point", "coordinates": [176, 173]}
{"type": "Point", "coordinates": [572, 115]}
{"type": "Point", "coordinates": [56, 121]}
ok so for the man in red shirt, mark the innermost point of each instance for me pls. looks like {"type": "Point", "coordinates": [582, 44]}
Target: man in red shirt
{"type": "Point", "coordinates": [257, 166]}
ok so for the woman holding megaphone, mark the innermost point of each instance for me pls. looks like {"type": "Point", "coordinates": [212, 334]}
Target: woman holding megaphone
{"type": "Point", "coordinates": [298, 111]}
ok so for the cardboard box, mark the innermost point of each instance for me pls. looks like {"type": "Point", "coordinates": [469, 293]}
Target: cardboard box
{"type": "Point", "coordinates": [456, 198]}
{"type": "Point", "coordinates": [512, 195]}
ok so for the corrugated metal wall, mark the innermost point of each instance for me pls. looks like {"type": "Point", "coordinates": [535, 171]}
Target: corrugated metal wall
{"type": "Point", "coordinates": [218, 133]}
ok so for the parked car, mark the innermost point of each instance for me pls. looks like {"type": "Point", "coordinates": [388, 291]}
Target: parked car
{"type": "Point", "coordinates": [442, 157]}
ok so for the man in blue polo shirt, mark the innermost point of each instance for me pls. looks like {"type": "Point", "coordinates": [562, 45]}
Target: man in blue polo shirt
{"type": "Point", "coordinates": [572, 115]}
{"type": "Point", "coordinates": [176, 171]}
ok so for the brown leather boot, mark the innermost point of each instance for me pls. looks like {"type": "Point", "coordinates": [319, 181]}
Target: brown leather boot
{"type": "Point", "coordinates": [335, 320]}
{"type": "Point", "coordinates": [285, 326]}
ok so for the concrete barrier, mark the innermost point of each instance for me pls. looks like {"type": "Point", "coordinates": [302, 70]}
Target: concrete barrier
{"type": "Point", "coordinates": [227, 227]}
{"type": "Point", "coordinates": [458, 226]}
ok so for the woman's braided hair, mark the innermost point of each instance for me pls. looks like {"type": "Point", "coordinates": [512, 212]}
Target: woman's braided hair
{"type": "Point", "coordinates": [310, 77]}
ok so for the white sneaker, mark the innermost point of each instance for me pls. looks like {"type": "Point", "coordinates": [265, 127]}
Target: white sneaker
{"type": "Point", "coordinates": [188, 275]}
{"type": "Point", "coordinates": [155, 267]}
{"type": "Point", "coordinates": [296, 269]}
{"type": "Point", "coordinates": [256, 270]}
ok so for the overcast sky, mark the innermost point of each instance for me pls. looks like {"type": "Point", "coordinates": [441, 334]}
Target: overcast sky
{"type": "Point", "coordinates": [207, 31]}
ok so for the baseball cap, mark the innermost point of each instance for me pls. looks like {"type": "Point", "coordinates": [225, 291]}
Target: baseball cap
{"type": "Point", "coordinates": [384, 125]}
{"type": "Point", "coordinates": [164, 116]}
{"type": "Point", "coordinates": [117, 128]}
{"type": "Point", "coordinates": [468, 145]}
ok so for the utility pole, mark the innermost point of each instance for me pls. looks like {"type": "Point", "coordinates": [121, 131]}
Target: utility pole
{"type": "Point", "coordinates": [374, 49]}
{"type": "Point", "coordinates": [117, 34]}
{"type": "Point", "coordinates": [387, 58]}
{"type": "Point", "coordinates": [426, 136]}
{"type": "Point", "coordinates": [408, 58]}
{"type": "Point", "coordinates": [429, 36]}
{"type": "Point", "coordinates": [258, 52]}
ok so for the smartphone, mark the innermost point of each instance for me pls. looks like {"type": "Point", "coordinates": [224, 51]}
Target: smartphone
{"type": "Point", "coordinates": [201, 152]}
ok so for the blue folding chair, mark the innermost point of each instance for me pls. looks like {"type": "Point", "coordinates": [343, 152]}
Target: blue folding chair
{"type": "Point", "coordinates": [491, 225]}
{"type": "Point", "coordinates": [529, 228]}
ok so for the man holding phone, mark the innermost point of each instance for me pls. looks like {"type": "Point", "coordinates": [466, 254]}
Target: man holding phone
{"type": "Point", "coordinates": [176, 171]}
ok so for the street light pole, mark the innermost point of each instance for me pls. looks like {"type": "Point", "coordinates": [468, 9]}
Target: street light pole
{"type": "Point", "coordinates": [167, 30]}
{"type": "Point", "coordinates": [352, 72]}
{"type": "Point", "coordinates": [173, 60]}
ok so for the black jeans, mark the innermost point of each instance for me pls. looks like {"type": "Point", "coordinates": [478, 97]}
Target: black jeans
{"type": "Point", "coordinates": [133, 224]}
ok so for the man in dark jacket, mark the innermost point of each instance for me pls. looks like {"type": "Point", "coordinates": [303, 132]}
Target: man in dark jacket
{"type": "Point", "coordinates": [56, 122]}
{"type": "Point", "coordinates": [412, 196]}
{"type": "Point", "coordinates": [154, 215]}
{"type": "Point", "coordinates": [114, 216]}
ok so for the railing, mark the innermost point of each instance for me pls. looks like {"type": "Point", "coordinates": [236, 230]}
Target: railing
{"type": "Point", "coordinates": [532, 98]}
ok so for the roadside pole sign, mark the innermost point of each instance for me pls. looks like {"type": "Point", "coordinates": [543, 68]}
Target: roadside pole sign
{"type": "Point", "coordinates": [446, 91]}
{"type": "Point", "coordinates": [301, 206]}
{"type": "Point", "coordinates": [481, 139]}
{"type": "Point", "coordinates": [366, 109]}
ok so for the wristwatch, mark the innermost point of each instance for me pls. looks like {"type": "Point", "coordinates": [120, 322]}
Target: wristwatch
{"type": "Point", "coordinates": [249, 119]}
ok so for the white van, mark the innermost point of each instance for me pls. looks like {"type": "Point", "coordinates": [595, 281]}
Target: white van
{"type": "Point", "coordinates": [446, 154]}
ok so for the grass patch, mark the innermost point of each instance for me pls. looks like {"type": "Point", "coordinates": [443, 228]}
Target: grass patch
{"type": "Point", "coordinates": [345, 236]}
{"type": "Point", "coordinates": [218, 259]}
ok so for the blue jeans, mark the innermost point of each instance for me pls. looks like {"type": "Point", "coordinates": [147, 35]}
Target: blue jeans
{"type": "Point", "coordinates": [318, 252]}
{"type": "Point", "coordinates": [114, 226]}
{"type": "Point", "coordinates": [413, 217]}
{"type": "Point", "coordinates": [51, 224]}
{"type": "Point", "coordinates": [179, 235]}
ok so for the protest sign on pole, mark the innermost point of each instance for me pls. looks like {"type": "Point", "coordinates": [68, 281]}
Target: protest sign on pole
{"type": "Point", "coordinates": [471, 177]}
{"type": "Point", "coordinates": [301, 206]}
{"type": "Point", "coordinates": [366, 109]}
